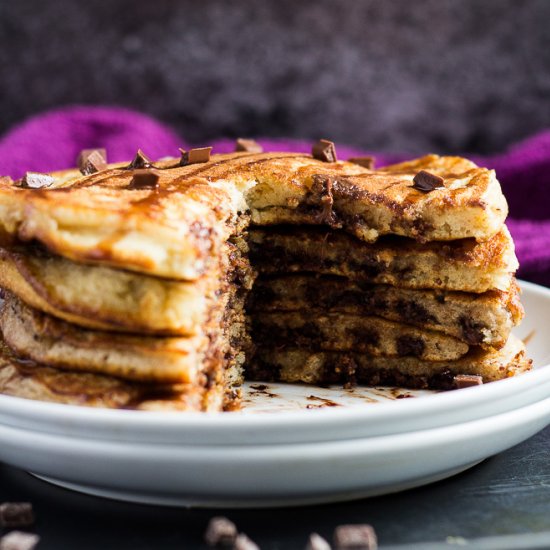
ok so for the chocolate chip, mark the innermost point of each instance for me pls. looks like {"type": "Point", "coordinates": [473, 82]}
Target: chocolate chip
{"type": "Point", "coordinates": [410, 345]}
{"type": "Point", "coordinates": [195, 156]}
{"type": "Point", "coordinates": [467, 380]}
{"type": "Point", "coordinates": [316, 542]}
{"type": "Point", "coordinates": [90, 161]}
{"type": "Point", "coordinates": [365, 162]}
{"type": "Point", "coordinates": [248, 145]}
{"type": "Point", "coordinates": [472, 331]}
{"type": "Point", "coordinates": [17, 540]}
{"type": "Point", "coordinates": [140, 161]}
{"type": "Point", "coordinates": [144, 179]}
{"type": "Point", "coordinates": [324, 150]}
{"type": "Point", "coordinates": [220, 532]}
{"type": "Point", "coordinates": [426, 182]}
{"type": "Point", "coordinates": [16, 514]}
{"type": "Point", "coordinates": [35, 180]}
{"type": "Point", "coordinates": [242, 542]}
{"type": "Point", "coordinates": [355, 537]}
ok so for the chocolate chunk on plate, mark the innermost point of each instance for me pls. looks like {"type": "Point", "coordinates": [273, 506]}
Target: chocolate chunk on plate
{"type": "Point", "coordinates": [248, 145]}
{"type": "Point", "coordinates": [324, 150]}
{"type": "Point", "coordinates": [355, 537]}
{"type": "Point", "coordinates": [467, 380]}
{"type": "Point", "coordinates": [220, 532]}
{"type": "Point", "coordinates": [90, 161]}
{"type": "Point", "coordinates": [17, 540]}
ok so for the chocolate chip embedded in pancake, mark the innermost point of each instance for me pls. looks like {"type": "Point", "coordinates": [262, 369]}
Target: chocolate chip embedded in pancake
{"type": "Point", "coordinates": [459, 265]}
{"type": "Point", "coordinates": [324, 367]}
{"type": "Point", "coordinates": [477, 319]}
{"type": "Point", "coordinates": [321, 331]}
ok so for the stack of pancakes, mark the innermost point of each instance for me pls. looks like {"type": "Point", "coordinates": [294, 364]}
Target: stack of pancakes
{"type": "Point", "coordinates": [153, 285]}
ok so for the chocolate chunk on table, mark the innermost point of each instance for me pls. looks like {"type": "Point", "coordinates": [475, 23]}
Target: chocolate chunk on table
{"type": "Point", "coordinates": [242, 542]}
{"type": "Point", "coordinates": [17, 540]}
{"type": "Point", "coordinates": [355, 537]}
{"type": "Point", "coordinates": [220, 532]}
{"type": "Point", "coordinates": [317, 542]}
{"type": "Point", "coordinates": [16, 514]}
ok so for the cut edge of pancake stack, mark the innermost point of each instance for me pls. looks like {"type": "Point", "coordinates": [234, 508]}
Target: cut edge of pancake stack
{"type": "Point", "coordinates": [152, 285]}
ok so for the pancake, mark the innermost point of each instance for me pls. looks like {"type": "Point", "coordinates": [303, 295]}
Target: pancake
{"type": "Point", "coordinates": [463, 265]}
{"type": "Point", "coordinates": [299, 365]}
{"type": "Point", "coordinates": [176, 227]}
{"type": "Point", "coordinates": [127, 287]}
{"type": "Point", "coordinates": [103, 298]}
{"type": "Point", "coordinates": [50, 341]}
{"type": "Point", "coordinates": [346, 332]}
{"type": "Point", "coordinates": [380, 202]}
{"type": "Point", "coordinates": [27, 380]}
{"type": "Point", "coordinates": [478, 319]}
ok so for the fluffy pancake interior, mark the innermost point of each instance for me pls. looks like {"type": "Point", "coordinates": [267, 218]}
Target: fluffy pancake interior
{"type": "Point", "coordinates": [300, 365]}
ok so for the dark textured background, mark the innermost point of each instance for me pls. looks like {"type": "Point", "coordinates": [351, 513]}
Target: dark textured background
{"type": "Point", "coordinates": [433, 75]}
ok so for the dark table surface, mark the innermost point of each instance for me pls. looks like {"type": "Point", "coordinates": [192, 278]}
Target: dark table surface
{"type": "Point", "coordinates": [506, 494]}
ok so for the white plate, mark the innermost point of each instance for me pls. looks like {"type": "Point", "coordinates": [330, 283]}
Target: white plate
{"type": "Point", "coordinates": [276, 451]}
{"type": "Point", "coordinates": [268, 475]}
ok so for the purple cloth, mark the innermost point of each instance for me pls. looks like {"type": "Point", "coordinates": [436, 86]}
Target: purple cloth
{"type": "Point", "coordinates": [52, 141]}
